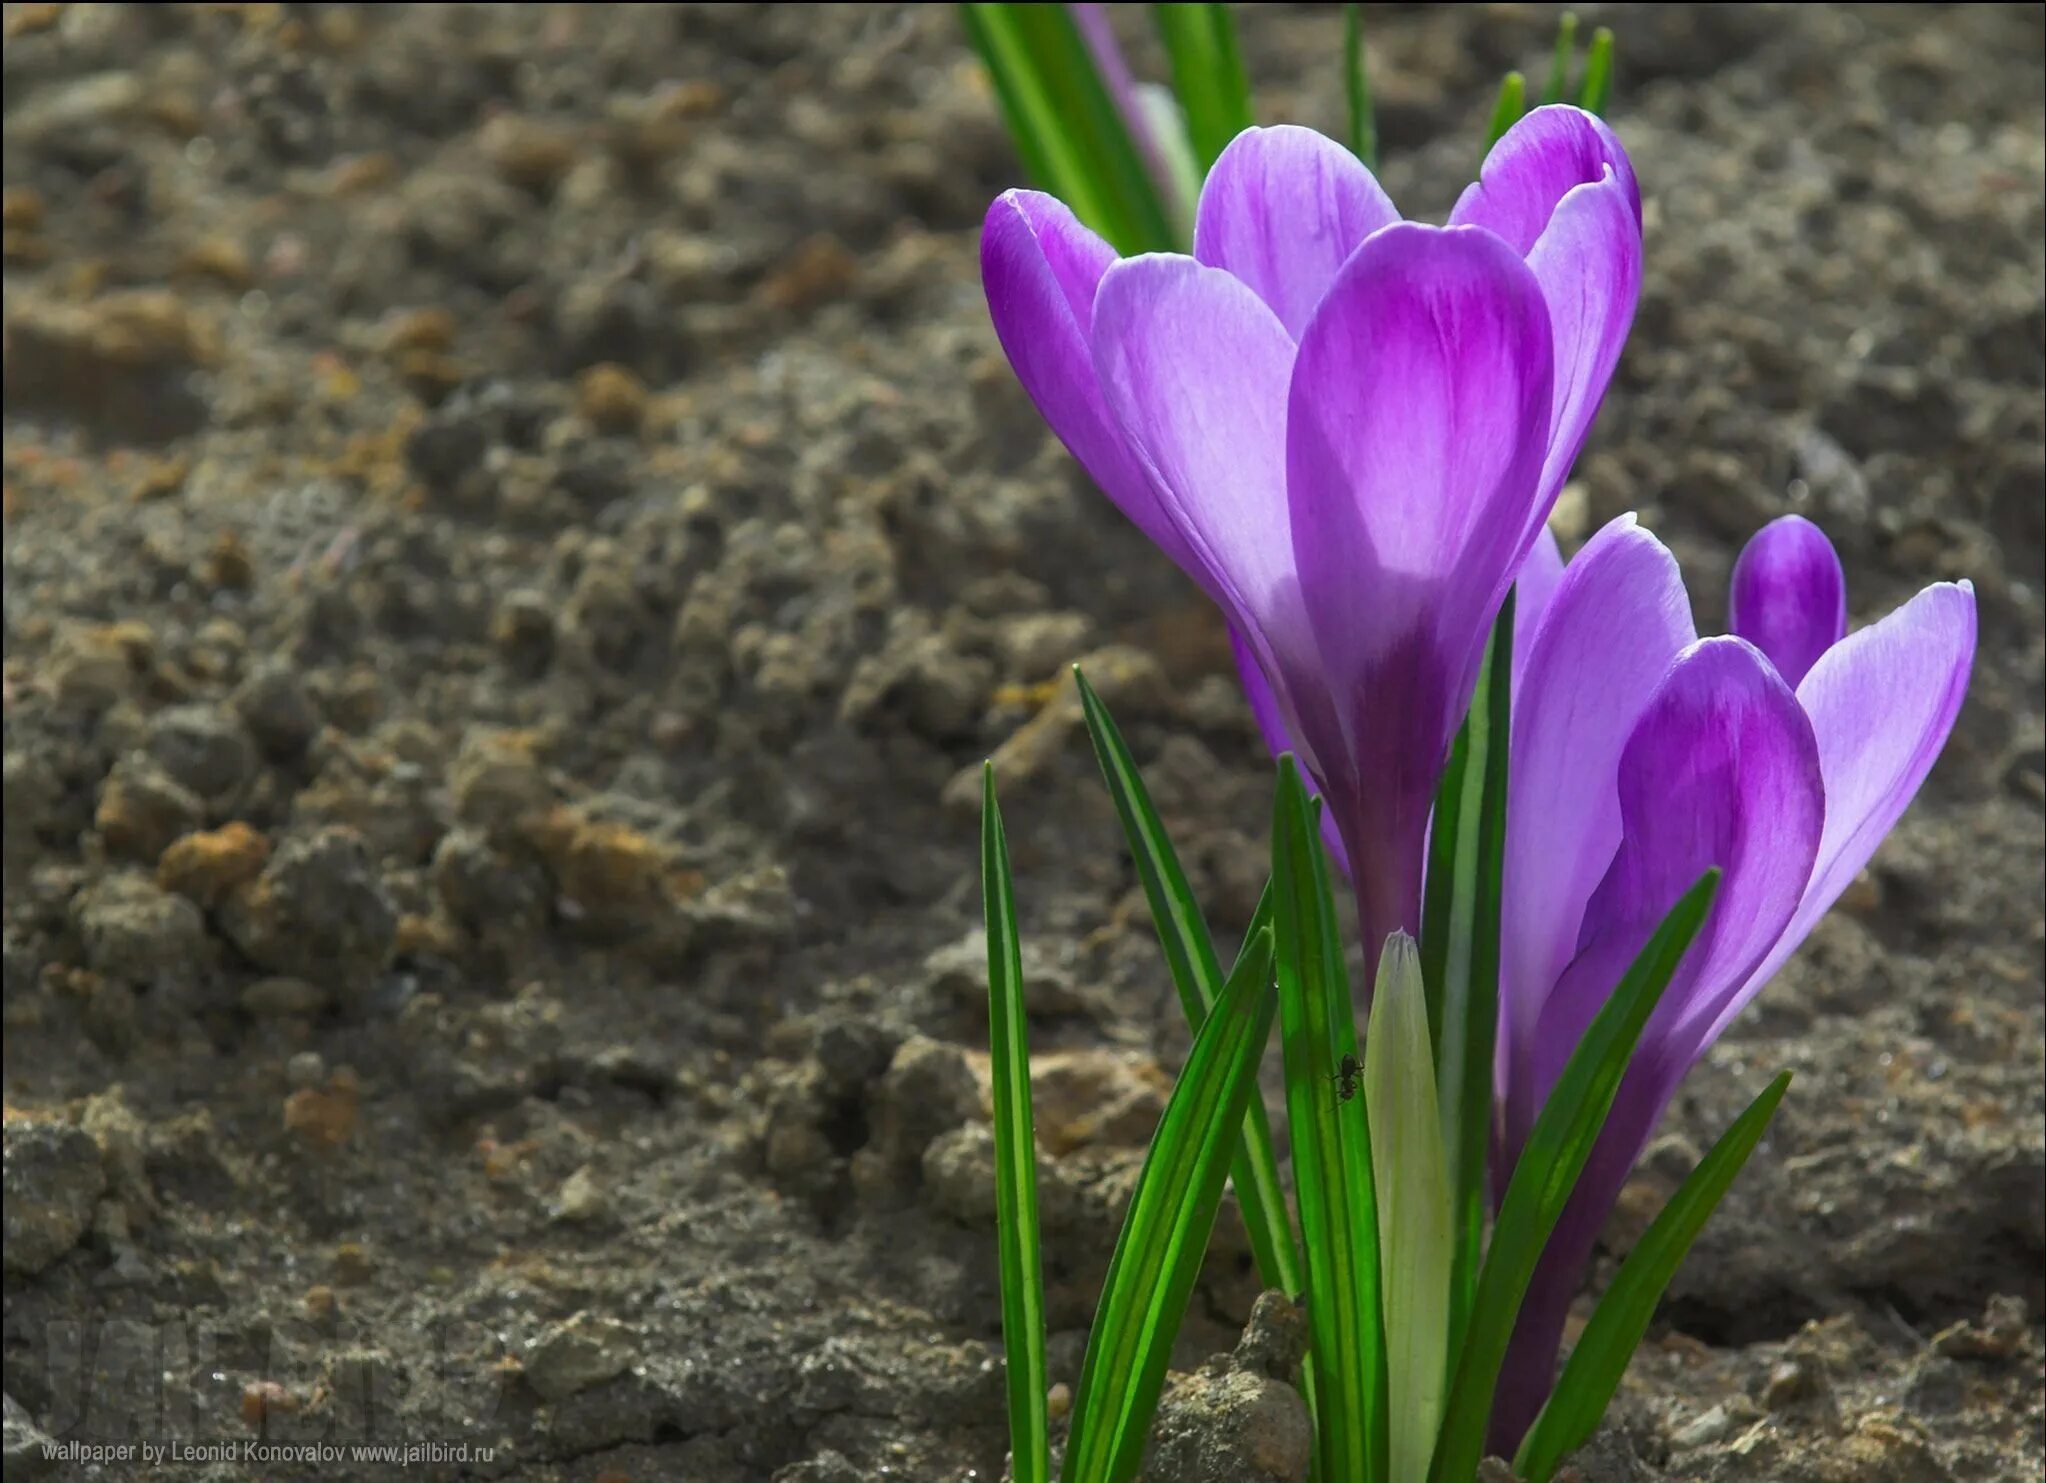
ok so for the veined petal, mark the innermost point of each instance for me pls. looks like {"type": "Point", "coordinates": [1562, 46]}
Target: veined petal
{"type": "Point", "coordinates": [1722, 770]}
{"type": "Point", "coordinates": [1040, 269]}
{"type": "Point", "coordinates": [1618, 620]}
{"type": "Point", "coordinates": [1194, 369]}
{"type": "Point", "coordinates": [1881, 702]}
{"type": "Point", "coordinates": [1789, 595]}
{"type": "Point", "coordinates": [1588, 262]}
{"type": "Point", "coordinates": [1536, 163]}
{"type": "Point", "coordinates": [1283, 209]}
{"type": "Point", "coordinates": [1414, 437]}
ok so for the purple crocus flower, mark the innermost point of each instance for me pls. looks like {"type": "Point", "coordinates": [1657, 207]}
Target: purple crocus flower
{"type": "Point", "coordinates": [1641, 756]}
{"type": "Point", "coordinates": [1347, 428]}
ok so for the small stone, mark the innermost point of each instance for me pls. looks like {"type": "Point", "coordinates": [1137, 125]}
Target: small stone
{"type": "Point", "coordinates": [523, 630]}
{"type": "Point", "coordinates": [54, 1178]}
{"type": "Point", "coordinates": [135, 933]}
{"type": "Point", "coordinates": [318, 911]}
{"type": "Point", "coordinates": [353, 1265]}
{"type": "Point", "coordinates": [581, 1197]}
{"type": "Point", "coordinates": [265, 1400]}
{"type": "Point", "coordinates": [306, 1068]}
{"type": "Point", "coordinates": [495, 893]}
{"type": "Point", "coordinates": [959, 1174]}
{"type": "Point", "coordinates": [530, 154]}
{"type": "Point", "coordinates": [927, 1089]}
{"type": "Point", "coordinates": [92, 668]}
{"type": "Point", "coordinates": [611, 399]}
{"type": "Point", "coordinates": [574, 1356]}
{"type": "Point", "coordinates": [1275, 1338]}
{"type": "Point", "coordinates": [1236, 1427]}
{"type": "Point", "coordinates": [1096, 1098]}
{"type": "Point", "coordinates": [1036, 646]}
{"type": "Point", "coordinates": [498, 785]}
{"type": "Point", "coordinates": [1790, 1382]}
{"type": "Point", "coordinates": [205, 748]}
{"type": "Point", "coordinates": [325, 1117]}
{"type": "Point", "coordinates": [320, 1302]}
{"type": "Point", "coordinates": [142, 809]}
{"type": "Point", "coordinates": [273, 704]}
{"type": "Point", "coordinates": [203, 867]}
{"type": "Point", "coordinates": [612, 876]}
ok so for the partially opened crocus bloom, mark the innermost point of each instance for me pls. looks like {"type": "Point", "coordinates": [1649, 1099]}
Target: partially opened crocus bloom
{"type": "Point", "coordinates": [1347, 428]}
{"type": "Point", "coordinates": [1643, 755]}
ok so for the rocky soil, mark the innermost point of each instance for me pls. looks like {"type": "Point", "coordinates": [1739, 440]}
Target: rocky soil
{"type": "Point", "coordinates": [518, 536]}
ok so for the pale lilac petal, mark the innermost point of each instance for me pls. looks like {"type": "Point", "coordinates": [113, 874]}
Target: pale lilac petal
{"type": "Point", "coordinates": [1881, 702]}
{"type": "Point", "coordinates": [1414, 437]}
{"type": "Point", "coordinates": [1194, 370]}
{"type": "Point", "coordinates": [1532, 590]}
{"type": "Point", "coordinates": [1040, 269]}
{"type": "Point", "coordinates": [1283, 209]}
{"type": "Point", "coordinates": [1588, 262]}
{"type": "Point", "coordinates": [1789, 596]}
{"type": "Point", "coordinates": [1618, 620]}
{"type": "Point", "coordinates": [1279, 740]}
{"type": "Point", "coordinates": [1535, 164]}
{"type": "Point", "coordinates": [1722, 770]}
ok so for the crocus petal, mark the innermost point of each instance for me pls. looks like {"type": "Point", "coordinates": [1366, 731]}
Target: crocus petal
{"type": "Point", "coordinates": [1881, 702]}
{"type": "Point", "coordinates": [1414, 437]}
{"type": "Point", "coordinates": [1722, 770]}
{"type": "Point", "coordinates": [1789, 595]}
{"type": "Point", "coordinates": [1283, 209]}
{"type": "Point", "coordinates": [1040, 269]}
{"type": "Point", "coordinates": [1271, 725]}
{"type": "Point", "coordinates": [1617, 622]}
{"type": "Point", "coordinates": [1588, 262]}
{"type": "Point", "coordinates": [1194, 369]}
{"type": "Point", "coordinates": [1532, 590]}
{"type": "Point", "coordinates": [1535, 164]}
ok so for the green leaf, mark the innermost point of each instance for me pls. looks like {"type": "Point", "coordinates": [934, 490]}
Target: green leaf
{"type": "Point", "coordinates": [1555, 1154]}
{"type": "Point", "coordinates": [1190, 959]}
{"type": "Point", "coordinates": [1597, 86]}
{"type": "Point", "coordinates": [1332, 1168]}
{"type": "Point", "coordinates": [1414, 1211]}
{"type": "Point", "coordinates": [1559, 64]}
{"type": "Point", "coordinates": [1609, 1340]}
{"type": "Point", "coordinates": [1207, 74]}
{"type": "Point", "coordinates": [1507, 111]}
{"type": "Point", "coordinates": [1460, 950]}
{"type": "Point", "coordinates": [1363, 117]}
{"type": "Point", "coordinates": [1165, 1235]}
{"type": "Point", "coordinates": [1015, 1154]}
{"type": "Point", "coordinates": [1073, 140]}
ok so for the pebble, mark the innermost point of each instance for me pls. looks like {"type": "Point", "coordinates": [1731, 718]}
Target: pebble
{"type": "Point", "coordinates": [205, 748]}
{"type": "Point", "coordinates": [1235, 1427]}
{"type": "Point", "coordinates": [278, 997]}
{"type": "Point", "coordinates": [203, 867]}
{"type": "Point", "coordinates": [54, 1178]}
{"type": "Point", "coordinates": [277, 712]}
{"type": "Point", "coordinates": [142, 809]}
{"type": "Point", "coordinates": [134, 932]}
{"type": "Point", "coordinates": [574, 1356]}
{"type": "Point", "coordinates": [611, 399]}
{"type": "Point", "coordinates": [319, 911]}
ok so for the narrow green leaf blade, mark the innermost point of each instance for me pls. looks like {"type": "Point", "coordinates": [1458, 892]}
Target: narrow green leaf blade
{"type": "Point", "coordinates": [1507, 111]}
{"type": "Point", "coordinates": [1357, 86]}
{"type": "Point", "coordinates": [1190, 958]}
{"type": "Point", "coordinates": [1016, 1233]}
{"type": "Point", "coordinates": [1555, 1154]}
{"type": "Point", "coordinates": [1207, 74]}
{"type": "Point", "coordinates": [1332, 1167]}
{"type": "Point", "coordinates": [1559, 64]}
{"type": "Point", "coordinates": [1600, 1359]}
{"type": "Point", "coordinates": [1597, 87]}
{"type": "Point", "coordinates": [1414, 1211]}
{"type": "Point", "coordinates": [1073, 140]}
{"type": "Point", "coordinates": [1165, 1235]}
{"type": "Point", "coordinates": [1460, 954]}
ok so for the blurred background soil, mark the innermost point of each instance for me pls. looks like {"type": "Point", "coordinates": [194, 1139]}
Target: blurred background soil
{"type": "Point", "coordinates": [518, 537]}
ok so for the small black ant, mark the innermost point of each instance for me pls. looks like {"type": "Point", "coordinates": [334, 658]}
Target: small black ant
{"type": "Point", "coordinates": [1345, 1077]}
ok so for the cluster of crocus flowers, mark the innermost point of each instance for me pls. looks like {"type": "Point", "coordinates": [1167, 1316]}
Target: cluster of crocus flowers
{"type": "Point", "coordinates": [1349, 430]}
